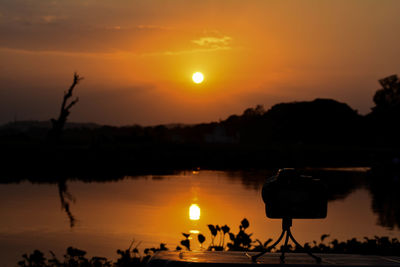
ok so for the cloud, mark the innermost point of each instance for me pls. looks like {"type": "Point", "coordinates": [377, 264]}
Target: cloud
{"type": "Point", "coordinates": [138, 27]}
{"type": "Point", "coordinates": [214, 42]}
{"type": "Point", "coordinates": [35, 20]}
{"type": "Point", "coordinates": [63, 53]}
{"type": "Point", "coordinates": [115, 28]}
{"type": "Point", "coordinates": [110, 55]}
{"type": "Point", "coordinates": [182, 52]}
{"type": "Point", "coordinates": [153, 27]}
{"type": "Point", "coordinates": [51, 18]}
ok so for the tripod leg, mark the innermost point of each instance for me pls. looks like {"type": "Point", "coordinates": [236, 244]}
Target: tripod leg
{"type": "Point", "coordinates": [285, 246]}
{"type": "Point", "coordinates": [255, 257]}
{"type": "Point", "coordinates": [318, 259]}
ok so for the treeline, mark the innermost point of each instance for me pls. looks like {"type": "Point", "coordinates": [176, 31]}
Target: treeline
{"type": "Point", "coordinates": [322, 121]}
{"type": "Point", "coordinates": [309, 133]}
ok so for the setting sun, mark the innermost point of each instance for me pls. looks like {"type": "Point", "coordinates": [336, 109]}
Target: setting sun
{"type": "Point", "coordinates": [194, 212]}
{"type": "Point", "coordinates": [198, 77]}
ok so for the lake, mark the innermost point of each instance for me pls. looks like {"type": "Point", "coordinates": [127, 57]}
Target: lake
{"type": "Point", "coordinates": [155, 208]}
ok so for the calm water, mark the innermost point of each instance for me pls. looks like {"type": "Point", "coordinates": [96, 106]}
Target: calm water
{"type": "Point", "coordinates": [154, 209]}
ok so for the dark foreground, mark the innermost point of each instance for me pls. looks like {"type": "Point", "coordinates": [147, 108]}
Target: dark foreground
{"type": "Point", "coordinates": [208, 258]}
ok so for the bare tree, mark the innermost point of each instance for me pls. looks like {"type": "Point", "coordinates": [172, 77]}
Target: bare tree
{"type": "Point", "coordinates": [58, 125]}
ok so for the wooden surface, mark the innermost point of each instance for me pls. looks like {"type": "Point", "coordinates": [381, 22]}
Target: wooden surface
{"type": "Point", "coordinates": [209, 258]}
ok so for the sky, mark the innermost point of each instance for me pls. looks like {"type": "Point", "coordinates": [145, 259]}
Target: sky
{"type": "Point", "coordinates": [138, 56]}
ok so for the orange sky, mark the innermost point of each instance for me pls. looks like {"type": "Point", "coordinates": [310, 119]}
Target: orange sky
{"type": "Point", "coordinates": [137, 57]}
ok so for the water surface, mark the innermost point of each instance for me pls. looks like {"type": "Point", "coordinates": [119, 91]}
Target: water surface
{"type": "Point", "coordinates": [153, 209]}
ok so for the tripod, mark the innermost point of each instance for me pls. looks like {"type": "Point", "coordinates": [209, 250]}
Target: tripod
{"type": "Point", "coordinates": [286, 224]}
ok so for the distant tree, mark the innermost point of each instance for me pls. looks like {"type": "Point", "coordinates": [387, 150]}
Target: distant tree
{"type": "Point", "coordinates": [252, 112]}
{"type": "Point", "coordinates": [383, 120]}
{"type": "Point", "coordinates": [387, 99]}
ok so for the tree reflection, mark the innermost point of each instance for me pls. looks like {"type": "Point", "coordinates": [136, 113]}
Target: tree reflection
{"type": "Point", "coordinates": [66, 198]}
{"type": "Point", "coordinates": [383, 184]}
{"type": "Point", "coordinates": [339, 184]}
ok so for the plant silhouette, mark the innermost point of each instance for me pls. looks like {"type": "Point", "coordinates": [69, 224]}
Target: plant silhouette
{"type": "Point", "coordinates": [239, 242]}
{"type": "Point", "coordinates": [186, 242]}
{"type": "Point", "coordinates": [201, 238]}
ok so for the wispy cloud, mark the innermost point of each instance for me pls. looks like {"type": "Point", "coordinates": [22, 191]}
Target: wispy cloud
{"type": "Point", "coordinates": [116, 54]}
{"type": "Point", "coordinates": [36, 20]}
{"type": "Point", "coordinates": [213, 42]}
{"type": "Point", "coordinates": [182, 52]}
{"type": "Point", "coordinates": [153, 27]}
{"type": "Point", "coordinates": [60, 53]}
{"type": "Point", "coordinates": [140, 27]}
{"type": "Point", "coordinates": [50, 18]}
{"type": "Point", "coordinates": [210, 42]}
{"type": "Point", "coordinates": [115, 28]}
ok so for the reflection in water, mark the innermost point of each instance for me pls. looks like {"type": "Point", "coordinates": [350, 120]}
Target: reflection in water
{"type": "Point", "coordinates": [340, 183]}
{"type": "Point", "coordinates": [154, 209]}
{"type": "Point", "coordinates": [66, 198]}
{"type": "Point", "coordinates": [194, 212]}
{"type": "Point", "coordinates": [383, 184]}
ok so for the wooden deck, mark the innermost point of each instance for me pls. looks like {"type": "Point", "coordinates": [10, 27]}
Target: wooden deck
{"type": "Point", "coordinates": [208, 258]}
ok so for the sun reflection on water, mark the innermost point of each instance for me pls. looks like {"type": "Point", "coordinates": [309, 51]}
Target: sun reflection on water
{"type": "Point", "coordinates": [194, 212]}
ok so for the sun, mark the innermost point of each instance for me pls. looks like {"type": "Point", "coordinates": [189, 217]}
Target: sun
{"type": "Point", "coordinates": [197, 77]}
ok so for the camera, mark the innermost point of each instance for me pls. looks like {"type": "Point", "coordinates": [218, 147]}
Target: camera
{"type": "Point", "coordinates": [291, 195]}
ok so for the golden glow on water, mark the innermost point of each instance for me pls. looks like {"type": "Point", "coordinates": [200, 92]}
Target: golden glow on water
{"type": "Point", "coordinates": [194, 212]}
{"type": "Point", "coordinates": [154, 209]}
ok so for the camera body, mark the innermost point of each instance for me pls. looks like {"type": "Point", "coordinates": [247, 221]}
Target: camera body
{"type": "Point", "coordinates": [291, 195]}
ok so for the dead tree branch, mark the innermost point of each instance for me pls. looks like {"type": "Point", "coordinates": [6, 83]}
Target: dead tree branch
{"type": "Point", "coordinates": [58, 125]}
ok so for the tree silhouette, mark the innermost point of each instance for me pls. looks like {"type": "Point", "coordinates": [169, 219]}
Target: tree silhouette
{"type": "Point", "coordinates": [387, 99]}
{"type": "Point", "coordinates": [58, 124]}
{"type": "Point", "coordinates": [253, 112]}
